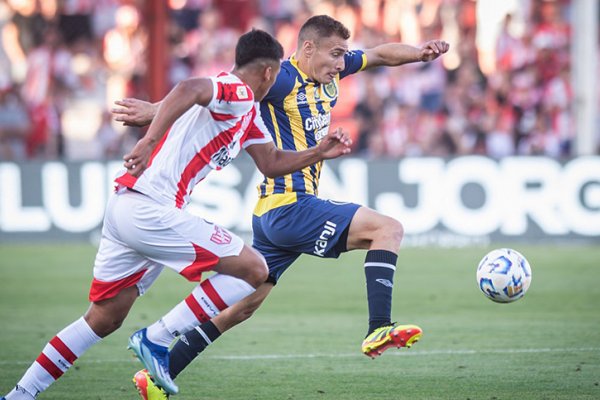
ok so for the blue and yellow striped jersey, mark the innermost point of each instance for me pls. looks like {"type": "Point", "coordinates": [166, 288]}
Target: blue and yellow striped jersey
{"type": "Point", "coordinates": [297, 112]}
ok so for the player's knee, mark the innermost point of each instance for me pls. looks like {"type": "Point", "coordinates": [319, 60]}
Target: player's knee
{"type": "Point", "coordinates": [257, 270]}
{"type": "Point", "coordinates": [392, 232]}
{"type": "Point", "coordinates": [103, 325]}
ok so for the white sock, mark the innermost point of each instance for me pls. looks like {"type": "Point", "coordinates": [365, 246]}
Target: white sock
{"type": "Point", "coordinates": [18, 393]}
{"type": "Point", "coordinates": [159, 334]}
{"type": "Point", "coordinates": [57, 357]}
{"type": "Point", "coordinates": [205, 302]}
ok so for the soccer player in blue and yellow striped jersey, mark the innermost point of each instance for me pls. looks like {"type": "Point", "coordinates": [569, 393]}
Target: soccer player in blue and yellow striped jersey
{"type": "Point", "coordinates": [289, 218]}
{"type": "Point", "coordinates": [297, 112]}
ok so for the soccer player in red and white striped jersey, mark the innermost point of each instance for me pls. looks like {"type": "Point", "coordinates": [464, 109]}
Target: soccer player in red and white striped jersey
{"type": "Point", "coordinates": [199, 127]}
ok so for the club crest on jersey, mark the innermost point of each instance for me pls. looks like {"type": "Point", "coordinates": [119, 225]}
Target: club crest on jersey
{"type": "Point", "coordinates": [220, 236]}
{"type": "Point", "coordinates": [241, 92]}
{"type": "Point", "coordinates": [330, 90]}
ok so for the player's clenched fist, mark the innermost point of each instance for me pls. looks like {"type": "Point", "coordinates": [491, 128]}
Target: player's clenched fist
{"type": "Point", "coordinates": [433, 49]}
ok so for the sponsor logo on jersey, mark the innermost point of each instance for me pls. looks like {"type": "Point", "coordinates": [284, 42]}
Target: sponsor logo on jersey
{"type": "Point", "coordinates": [301, 99]}
{"type": "Point", "coordinates": [317, 122]}
{"type": "Point", "coordinates": [220, 236]}
{"type": "Point", "coordinates": [323, 240]}
{"type": "Point", "coordinates": [321, 133]}
{"type": "Point", "coordinates": [221, 158]}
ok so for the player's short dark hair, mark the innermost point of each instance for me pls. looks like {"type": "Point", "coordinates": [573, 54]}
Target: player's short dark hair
{"type": "Point", "coordinates": [322, 26]}
{"type": "Point", "coordinates": [256, 45]}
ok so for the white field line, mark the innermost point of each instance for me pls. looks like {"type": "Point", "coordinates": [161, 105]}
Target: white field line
{"type": "Point", "coordinates": [402, 353]}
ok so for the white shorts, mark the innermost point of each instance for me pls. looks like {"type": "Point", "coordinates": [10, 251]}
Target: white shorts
{"type": "Point", "coordinates": [141, 236]}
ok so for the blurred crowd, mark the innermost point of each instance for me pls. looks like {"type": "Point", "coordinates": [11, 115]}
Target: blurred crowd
{"type": "Point", "coordinates": [503, 89]}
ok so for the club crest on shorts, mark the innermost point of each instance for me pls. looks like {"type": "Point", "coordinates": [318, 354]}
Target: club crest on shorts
{"type": "Point", "coordinates": [220, 236]}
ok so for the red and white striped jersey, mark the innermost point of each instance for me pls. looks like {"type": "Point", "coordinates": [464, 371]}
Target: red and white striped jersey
{"type": "Point", "coordinates": [201, 140]}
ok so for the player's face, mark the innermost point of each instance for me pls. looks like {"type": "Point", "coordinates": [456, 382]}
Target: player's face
{"type": "Point", "coordinates": [269, 75]}
{"type": "Point", "coordinates": [327, 59]}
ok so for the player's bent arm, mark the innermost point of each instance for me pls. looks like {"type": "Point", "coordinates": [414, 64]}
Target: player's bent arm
{"type": "Point", "coordinates": [273, 162]}
{"type": "Point", "coordinates": [183, 96]}
{"type": "Point", "coordinates": [394, 54]}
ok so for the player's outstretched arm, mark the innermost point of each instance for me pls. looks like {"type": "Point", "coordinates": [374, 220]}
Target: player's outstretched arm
{"type": "Point", "coordinates": [273, 162]}
{"type": "Point", "coordinates": [178, 101]}
{"type": "Point", "coordinates": [134, 112]}
{"type": "Point", "coordinates": [394, 54]}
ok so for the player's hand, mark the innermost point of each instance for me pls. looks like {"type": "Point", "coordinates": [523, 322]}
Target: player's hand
{"type": "Point", "coordinates": [335, 144]}
{"type": "Point", "coordinates": [134, 112]}
{"type": "Point", "coordinates": [433, 49]}
{"type": "Point", "coordinates": [138, 158]}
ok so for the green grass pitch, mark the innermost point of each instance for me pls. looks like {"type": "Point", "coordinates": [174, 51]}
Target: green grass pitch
{"type": "Point", "coordinates": [304, 343]}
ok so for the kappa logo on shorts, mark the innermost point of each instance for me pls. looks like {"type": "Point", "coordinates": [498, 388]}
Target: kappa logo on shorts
{"type": "Point", "coordinates": [323, 240]}
{"type": "Point", "coordinates": [220, 236]}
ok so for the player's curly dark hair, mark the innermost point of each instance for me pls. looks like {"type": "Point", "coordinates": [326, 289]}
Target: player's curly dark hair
{"type": "Point", "coordinates": [322, 26]}
{"type": "Point", "coordinates": [256, 45]}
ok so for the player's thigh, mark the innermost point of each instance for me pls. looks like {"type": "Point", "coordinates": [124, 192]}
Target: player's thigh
{"type": "Point", "coordinates": [118, 267]}
{"type": "Point", "coordinates": [369, 227]}
{"type": "Point", "coordinates": [191, 245]}
{"type": "Point", "coordinates": [309, 226]}
{"type": "Point", "coordinates": [172, 237]}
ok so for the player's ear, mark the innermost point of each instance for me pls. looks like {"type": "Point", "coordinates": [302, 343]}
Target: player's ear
{"type": "Point", "coordinates": [271, 70]}
{"type": "Point", "coordinates": [268, 72]}
{"type": "Point", "coordinates": [309, 47]}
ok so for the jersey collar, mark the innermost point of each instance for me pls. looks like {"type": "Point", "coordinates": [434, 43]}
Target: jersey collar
{"type": "Point", "coordinates": [294, 63]}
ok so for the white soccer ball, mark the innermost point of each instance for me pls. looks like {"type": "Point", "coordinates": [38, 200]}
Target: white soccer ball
{"type": "Point", "coordinates": [504, 275]}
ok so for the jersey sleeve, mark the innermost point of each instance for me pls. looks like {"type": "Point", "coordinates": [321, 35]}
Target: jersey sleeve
{"type": "Point", "coordinates": [355, 61]}
{"type": "Point", "coordinates": [283, 85]}
{"type": "Point", "coordinates": [257, 132]}
{"type": "Point", "coordinates": [229, 99]}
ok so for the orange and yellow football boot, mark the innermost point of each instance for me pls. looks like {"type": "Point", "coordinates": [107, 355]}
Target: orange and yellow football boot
{"type": "Point", "coordinates": [393, 335]}
{"type": "Point", "coordinates": [147, 388]}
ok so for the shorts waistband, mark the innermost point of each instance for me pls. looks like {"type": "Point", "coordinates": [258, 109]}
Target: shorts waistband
{"type": "Point", "coordinates": [265, 204]}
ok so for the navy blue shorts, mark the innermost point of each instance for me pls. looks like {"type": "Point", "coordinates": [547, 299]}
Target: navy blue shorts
{"type": "Point", "coordinates": [308, 226]}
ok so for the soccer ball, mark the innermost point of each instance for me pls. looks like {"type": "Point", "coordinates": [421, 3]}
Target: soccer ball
{"type": "Point", "coordinates": [504, 275]}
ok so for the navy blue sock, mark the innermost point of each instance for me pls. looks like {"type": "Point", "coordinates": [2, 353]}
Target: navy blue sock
{"type": "Point", "coordinates": [190, 345]}
{"type": "Point", "coordinates": [380, 266]}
